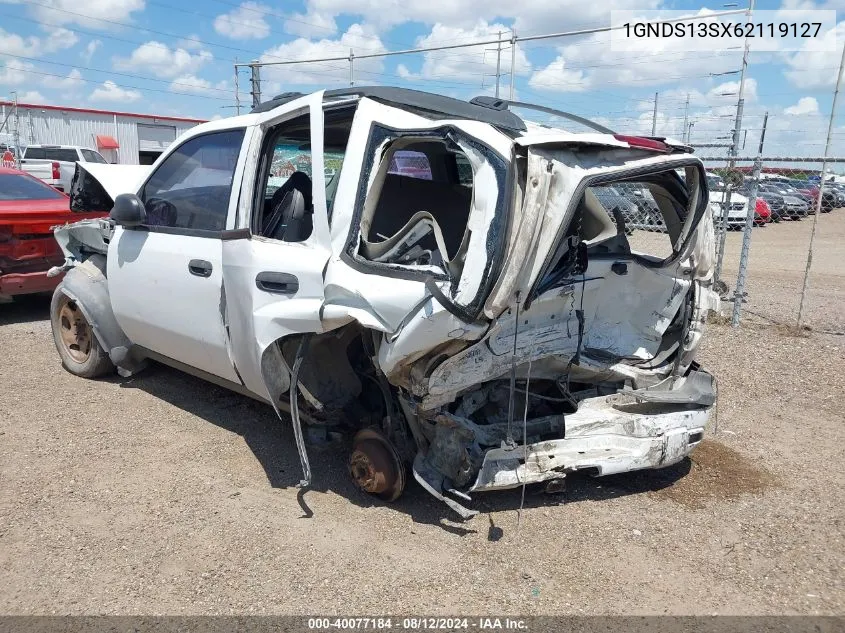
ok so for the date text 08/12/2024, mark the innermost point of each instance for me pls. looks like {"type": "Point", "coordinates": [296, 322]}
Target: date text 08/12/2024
{"type": "Point", "coordinates": [417, 624]}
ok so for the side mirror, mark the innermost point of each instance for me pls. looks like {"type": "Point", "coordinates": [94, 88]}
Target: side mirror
{"type": "Point", "coordinates": [128, 211]}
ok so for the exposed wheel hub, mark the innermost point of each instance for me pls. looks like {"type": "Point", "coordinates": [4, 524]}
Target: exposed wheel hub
{"type": "Point", "coordinates": [375, 466]}
{"type": "Point", "coordinates": [75, 332]}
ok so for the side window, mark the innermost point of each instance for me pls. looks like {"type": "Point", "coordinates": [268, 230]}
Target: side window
{"type": "Point", "coordinates": [411, 164]}
{"type": "Point", "coordinates": [464, 170]}
{"type": "Point", "coordinates": [288, 209]}
{"type": "Point", "coordinates": [192, 187]}
{"type": "Point", "coordinates": [287, 213]}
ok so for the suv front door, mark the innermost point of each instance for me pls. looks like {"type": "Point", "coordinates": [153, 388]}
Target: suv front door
{"type": "Point", "coordinates": [166, 277]}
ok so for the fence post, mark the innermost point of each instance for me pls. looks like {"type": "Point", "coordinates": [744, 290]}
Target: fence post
{"type": "Point", "coordinates": [804, 287]}
{"type": "Point", "coordinates": [721, 234]}
{"type": "Point", "coordinates": [739, 291]}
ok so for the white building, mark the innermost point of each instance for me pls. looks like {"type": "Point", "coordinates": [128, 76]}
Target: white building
{"type": "Point", "coordinates": [122, 137]}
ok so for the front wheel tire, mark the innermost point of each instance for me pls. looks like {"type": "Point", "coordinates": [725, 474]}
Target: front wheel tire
{"type": "Point", "coordinates": [80, 351]}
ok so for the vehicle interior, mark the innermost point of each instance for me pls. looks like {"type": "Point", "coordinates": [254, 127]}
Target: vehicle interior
{"type": "Point", "coordinates": [418, 207]}
{"type": "Point", "coordinates": [283, 208]}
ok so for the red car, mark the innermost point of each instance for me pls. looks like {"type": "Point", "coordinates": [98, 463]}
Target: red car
{"type": "Point", "coordinates": [762, 213]}
{"type": "Point", "coordinates": [28, 210]}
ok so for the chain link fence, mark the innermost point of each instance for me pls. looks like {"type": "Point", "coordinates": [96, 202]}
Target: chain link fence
{"type": "Point", "coordinates": [763, 242]}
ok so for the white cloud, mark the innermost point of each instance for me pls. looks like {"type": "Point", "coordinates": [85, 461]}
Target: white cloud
{"type": "Point", "coordinates": [110, 91]}
{"type": "Point", "coordinates": [805, 105]}
{"type": "Point", "coordinates": [163, 61]}
{"type": "Point", "coordinates": [90, 48]}
{"type": "Point", "coordinates": [244, 23]}
{"type": "Point", "coordinates": [89, 14]}
{"type": "Point", "coordinates": [558, 78]}
{"type": "Point", "coordinates": [366, 70]}
{"type": "Point", "coordinates": [811, 68]}
{"type": "Point", "coordinates": [589, 62]}
{"type": "Point", "coordinates": [33, 46]}
{"type": "Point", "coordinates": [15, 72]}
{"type": "Point", "coordinates": [311, 24]}
{"type": "Point", "coordinates": [471, 64]}
{"type": "Point", "coordinates": [31, 96]}
{"type": "Point", "coordinates": [538, 16]}
{"type": "Point", "coordinates": [190, 43]}
{"type": "Point", "coordinates": [191, 84]}
{"type": "Point", "coordinates": [71, 82]}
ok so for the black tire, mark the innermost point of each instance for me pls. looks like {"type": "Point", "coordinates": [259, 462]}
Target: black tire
{"type": "Point", "coordinates": [78, 348]}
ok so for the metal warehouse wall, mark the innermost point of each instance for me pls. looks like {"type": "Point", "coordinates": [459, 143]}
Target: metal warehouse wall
{"type": "Point", "coordinates": [61, 127]}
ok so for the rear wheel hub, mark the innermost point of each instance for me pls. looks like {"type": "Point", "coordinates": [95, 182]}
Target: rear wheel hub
{"type": "Point", "coordinates": [375, 465]}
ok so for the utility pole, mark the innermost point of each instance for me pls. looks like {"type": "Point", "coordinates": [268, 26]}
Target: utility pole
{"type": "Point", "coordinates": [689, 131]}
{"type": "Point", "coordinates": [686, 115]}
{"type": "Point", "coordinates": [654, 117]}
{"type": "Point", "coordinates": [255, 82]}
{"type": "Point", "coordinates": [732, 153]}
{"type": "Point", "coordinates": [498, 63]}
{"type": "Point", "coordinates": [351, 67]}
{"type": "Point", "coordinates": [237, 89]}
{"type": "Point", "coordinates": [740, 103]}
{"type": "Point", "coordinates": [513, 62]}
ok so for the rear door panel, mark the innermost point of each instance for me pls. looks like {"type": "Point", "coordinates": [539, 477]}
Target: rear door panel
{"type": "Point", "coordinates": [289, 299]}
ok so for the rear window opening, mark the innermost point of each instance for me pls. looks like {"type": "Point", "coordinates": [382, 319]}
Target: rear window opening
{"type": "Point", "coordinates": [641, 216]}
{"type": "Point", "coordinates": [417, 211]}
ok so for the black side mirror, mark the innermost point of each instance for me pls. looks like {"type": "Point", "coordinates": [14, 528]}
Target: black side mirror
{"type": "Point", "coordinates": [128, 211]}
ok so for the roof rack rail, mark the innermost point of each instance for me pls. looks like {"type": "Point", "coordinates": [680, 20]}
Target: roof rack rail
{"type": "Point", "coordinates": [494, 103]}
{"type": "Point", "coordinates": [278, 100]}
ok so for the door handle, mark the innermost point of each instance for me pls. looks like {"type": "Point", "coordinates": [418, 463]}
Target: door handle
{"type": "Point", "coordinates": [200, 268]}
{"type": "Point", "coordinates": [277, 283]}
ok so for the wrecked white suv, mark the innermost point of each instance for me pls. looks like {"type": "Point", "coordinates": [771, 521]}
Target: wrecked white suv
{"type": "Point", "coordinates": [437, 279]}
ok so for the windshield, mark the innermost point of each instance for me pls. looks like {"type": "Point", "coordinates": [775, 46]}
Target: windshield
{"type": "Point", "coordinates": [19, 187]}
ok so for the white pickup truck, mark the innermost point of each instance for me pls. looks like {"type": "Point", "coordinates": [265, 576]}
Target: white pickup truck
{"type": "Point", "coordinates": [56, 164]}
{"type": "Point", "coordinates": [481, 321]}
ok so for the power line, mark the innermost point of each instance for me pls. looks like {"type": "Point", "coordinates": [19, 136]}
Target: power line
{"type": "Point", "coordinates": [111, 72]}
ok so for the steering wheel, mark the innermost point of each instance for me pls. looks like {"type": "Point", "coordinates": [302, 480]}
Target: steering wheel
{"type": "Point", "coordinates": [160, 212]}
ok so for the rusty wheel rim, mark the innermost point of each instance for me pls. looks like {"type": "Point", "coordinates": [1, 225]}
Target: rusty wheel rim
{"type": "Point", "coordinates": [375, 466]}
{"type": "Point", "coordinates": [75, 332]}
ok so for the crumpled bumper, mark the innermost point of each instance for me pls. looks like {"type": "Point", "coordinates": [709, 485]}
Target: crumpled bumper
{"type": "Point", "coordinates": [27, 283]}
{"type": "Point", "coordinates": [607, 435]}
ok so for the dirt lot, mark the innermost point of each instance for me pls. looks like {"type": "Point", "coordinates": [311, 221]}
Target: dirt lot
{"type": "Point", "coordinates": [164, 495]}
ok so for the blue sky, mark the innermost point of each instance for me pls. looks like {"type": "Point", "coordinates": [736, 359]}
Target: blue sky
{"type": "Point", "coordinates": [176, 57]}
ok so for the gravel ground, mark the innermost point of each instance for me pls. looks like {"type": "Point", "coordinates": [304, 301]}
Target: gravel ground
{"type": "Point", "coordinates": [165, 495]}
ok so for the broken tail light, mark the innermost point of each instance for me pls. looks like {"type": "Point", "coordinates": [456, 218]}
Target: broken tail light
{"type": "Point", "coordinates": [56, 173]}
{"type": "Point", "coordinates": [641, 142]}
